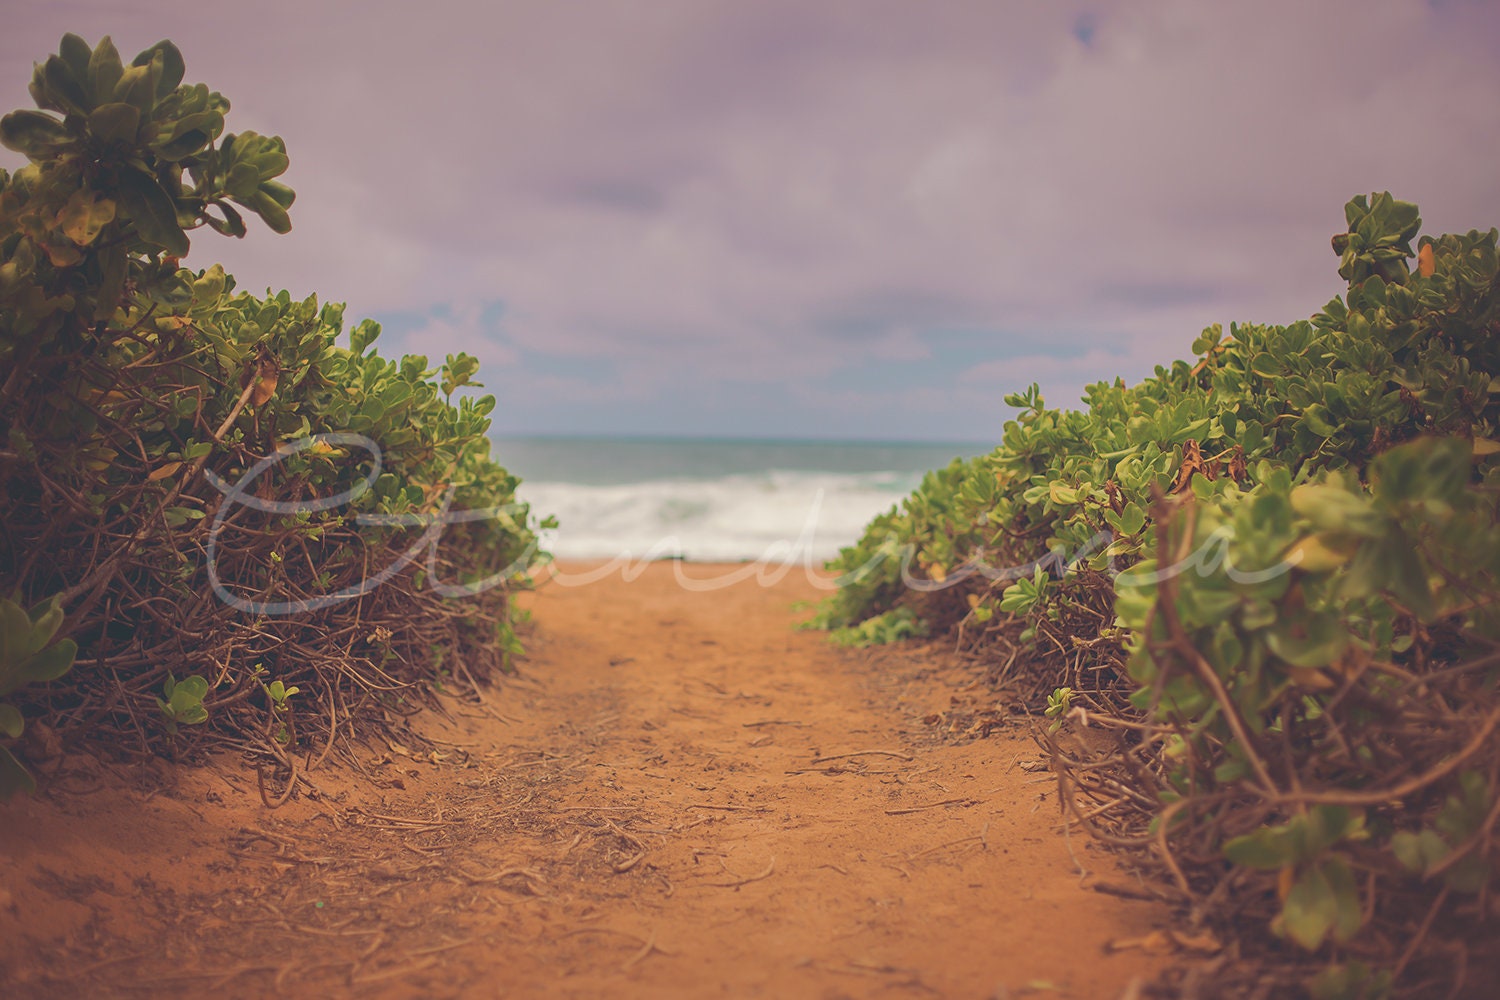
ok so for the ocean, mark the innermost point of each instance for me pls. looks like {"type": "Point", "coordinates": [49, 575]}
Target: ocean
{"type": "Point", "coordinates": [714, 500]}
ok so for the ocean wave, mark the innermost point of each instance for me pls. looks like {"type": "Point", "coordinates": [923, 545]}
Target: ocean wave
{"type": "Point", "coordinates": [776, 517]}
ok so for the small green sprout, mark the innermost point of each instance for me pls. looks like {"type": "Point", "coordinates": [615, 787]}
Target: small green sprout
{"type": "Point", "coordinates": [278, 692]}
{"type": "Point", "coordinates": [1058, 704]}
{"type": "Point", "coordinates": [183, 702]}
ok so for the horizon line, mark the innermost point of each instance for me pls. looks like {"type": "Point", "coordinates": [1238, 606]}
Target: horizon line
{"type": "Point", "coordinates": [647, 438]}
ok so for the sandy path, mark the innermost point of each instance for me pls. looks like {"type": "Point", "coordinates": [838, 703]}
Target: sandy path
{"type": "Point", "coordinates": [682, 798]}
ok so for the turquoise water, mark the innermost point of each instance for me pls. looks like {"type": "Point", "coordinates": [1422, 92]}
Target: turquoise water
{"type": "Point", "coordinates": [713, 500]}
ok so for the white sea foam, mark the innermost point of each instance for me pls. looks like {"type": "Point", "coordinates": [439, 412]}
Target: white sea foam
{"type": "Point", "coordinates": [778, 517]}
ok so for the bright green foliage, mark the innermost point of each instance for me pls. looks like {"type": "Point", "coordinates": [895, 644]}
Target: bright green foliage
{"type": "Point", "coordinates": [1393, 361]}
{"type": "Point", "coordinates": [1441, 848]}
{"type": "Point", "coordinates": [136, 393]}
{"type": "Point", "coordinates": [1323, 899]}
{"type": "Point", "coordinates": [1287, 549]}
{"type": "Point", "coordinates": [27, 653]}
{"type": "Point", "coordinates": [1026, 594]}
{"type": "Point", "coordinates": [1059, 703]}
{"type": "Point", "coordinates": [130, 164]}
{"type": "Point", "coordinates": [892, 626]}
{"type": "Point", "coordinates": [27, 656]}
{"type": "Point", "coordinates": [182, 701]}
{"type": "Point", "coordinates": [928, 524]}
{"type": "Point", "coordinates": [279, 692]}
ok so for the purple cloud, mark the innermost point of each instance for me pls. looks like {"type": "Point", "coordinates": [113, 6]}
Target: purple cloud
{"type": "Point", "coordinates": [714, 210]}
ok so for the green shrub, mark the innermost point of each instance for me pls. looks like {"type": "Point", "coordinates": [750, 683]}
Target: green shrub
{"type": "Point", "coordinates": [892, 626]}
{"type": "Point", "coordinates": [206, 479]}
{"type": "Point", "coordinates": [1272, 571]}
{"type": "Point", "coordinates": [27, 656]}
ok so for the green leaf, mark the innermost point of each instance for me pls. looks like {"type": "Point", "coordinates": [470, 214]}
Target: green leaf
{"type": "Point", "coordinates": [46, 617]}
{"type": "Point", "coordinates": [152, 211]}
{"type": "Point", "coordinates": [1228, 650]}
{"type": "Point", "coordinates": [15, 637]}
{"type": "Point", "coordinates": [34, 134]}
{"type": "Point", "coordinates": [178, 516]}
{"type": "Point", "coordinates": [1316, 553]}
{"type": "Point", "coordinates": [184, 700]}
{"type": "Point", "coordinates": [1251, 436]}
{"type": "Point", "coordinates": [1312, 908]}
{"type": "Point", "coordinates": [1328, 824]}
{"type": "Point", "coordinates": [188, 135]}
{"type": "Point", "coordinates": [84, 216]}
{"type": "Point", "coordinates": [1424, 469]}
{"type": "Point", "coordinates": [194, 687]}
{"type": "Point", "coordinates": [1265, 365]}
{"type": "Point", "coordinates": [171, 69]}
{"type": "Point", "coordinates": [270, 211]}
{"type": "Point", "coordinates": [1265, 848]}
{"type": "Point", "coordinates": [1231, 771]}
{"type": "Point", "coordinates": [270, 158]}
{"type": "Point", "coordinates": [103, 70]}
{"type": "Point", "coordinates": [192, 715]}
{"type": "Point", "coordinates": [1312, 640]}
{"type": "Point", "coordinates": [1339, 510]}
{"type": "Point", "coordinates": [61, 88]}
{"type": "Point", "coordinates": [137, 87]}
{"type": "Point", "coordinates": [12, 723]}
{"type": "Point", "coordinates": [231, 225]}
{"type": "Point", "coordinates": [1062, 494]}
{"type": "Point", "coordinates": [51, 663]}
{"type": "Point", "coordinates": [1348, 914]}
{"type": "Point", "coordinates": [1407, 577]}
{"type": "Point", "coordinates": [115, 122]}
{"type": "Point", "coordinates": [242, 181]}
{"type": "Point", "coordinates": [363, 335]}
{"type": "Point", "coordinates": [279, 192]}
{"type": "Point", "coordinates": [75, 52]}
{"type": "Point", "coordinates": [1320, 421]}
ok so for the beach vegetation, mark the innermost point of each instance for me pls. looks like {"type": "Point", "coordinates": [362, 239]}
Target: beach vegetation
{"type": "Point", "coordinates": [28, 655]}
{"type": "Point", "coordinates": [202, 482]}
{"type": "Point", "coordinates": [888, 626]}
{"type": "Point", "coordinates": [1269, 575]}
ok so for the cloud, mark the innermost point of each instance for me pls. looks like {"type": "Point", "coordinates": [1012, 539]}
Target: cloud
{"type": "Point", "coordinates": [762, 201]}
{"type": "Point", "coordinates": [1012, 374]}
{"type": "Point", "coordinates": [468, 329]}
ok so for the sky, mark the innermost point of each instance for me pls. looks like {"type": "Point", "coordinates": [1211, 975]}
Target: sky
{"type": "Point", "coordinates": [851, 219]}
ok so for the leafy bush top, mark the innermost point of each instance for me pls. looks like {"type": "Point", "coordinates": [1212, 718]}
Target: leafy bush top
{"type": "Point", "coordinates": [137, 393]}
{"type": "Point", "coordinates": [1273, 571]}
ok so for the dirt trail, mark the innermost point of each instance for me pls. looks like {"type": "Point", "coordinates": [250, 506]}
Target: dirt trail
{"type": "Point", "coordinates": [681, 797]}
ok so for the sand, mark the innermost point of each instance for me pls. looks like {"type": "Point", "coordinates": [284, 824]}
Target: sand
{"type": "Point", "coordinates": [680, 796]}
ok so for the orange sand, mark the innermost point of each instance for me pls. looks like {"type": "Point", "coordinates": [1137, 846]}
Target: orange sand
{"type": "Point", "coordinates": [680, 797]}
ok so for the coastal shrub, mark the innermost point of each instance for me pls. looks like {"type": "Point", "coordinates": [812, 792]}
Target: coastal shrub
{"type": "Point", "coordinates": [1269, 573]}
{"type": "Point", "coordinates": [201, 483]}
{"type": "Point", "coordinates": [27, 656]}
{"type": "Point", "coordinates": [890, 626]}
